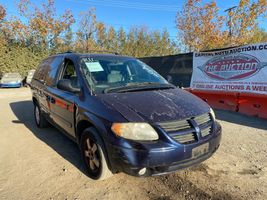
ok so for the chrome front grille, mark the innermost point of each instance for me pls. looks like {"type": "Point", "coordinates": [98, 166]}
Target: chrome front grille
{"type": "Point", "coordinates": [186, 138]}
{"type": "Point", "coordinates": [175, 125]}
{"type": "Point", "coordinates": [184, 132]}
{"type": "Point", "coordinates": [202, 119]}
{"type": "Point", "coordinates": [205, 132]}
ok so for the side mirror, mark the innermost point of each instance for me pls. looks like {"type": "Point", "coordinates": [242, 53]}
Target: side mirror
{"type": "Point", "coordinates": [65, 84]}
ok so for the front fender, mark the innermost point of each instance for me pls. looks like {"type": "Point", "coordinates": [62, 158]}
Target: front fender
{"type": "Point", "coordinates": [101, 135]}
{"type": "Point", "coordinates": [94, 120]}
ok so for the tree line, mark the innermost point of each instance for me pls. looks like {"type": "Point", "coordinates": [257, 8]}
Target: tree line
{"type": "Point", "coordinates": [203, 27]}
{"type": "Point", "coordinates": [38, 31]}
{"type": "Point", "coordinates": [42, 32]}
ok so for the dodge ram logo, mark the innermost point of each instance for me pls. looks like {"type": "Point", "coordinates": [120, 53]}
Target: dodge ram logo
{"type": "Point", "coordinates": [233, 67]}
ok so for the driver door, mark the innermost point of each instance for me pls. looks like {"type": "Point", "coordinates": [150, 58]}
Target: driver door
{"type": "Point", "coordinates": [63, 102]}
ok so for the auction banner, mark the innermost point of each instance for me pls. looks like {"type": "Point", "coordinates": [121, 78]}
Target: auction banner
{"type": "Point", "coordinates": [240, 69]}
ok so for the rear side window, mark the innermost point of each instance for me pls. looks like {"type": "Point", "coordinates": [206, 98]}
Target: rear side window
{"type": "Point", "coordinates": [41, 71]}
{"type": "Point", "coordinates": [53, 70]}
{"type": "Point", "coordinates": [47, 70]}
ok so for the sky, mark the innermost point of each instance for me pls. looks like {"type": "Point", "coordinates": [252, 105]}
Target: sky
{"type": "Point", "coordinates": [154, 14]}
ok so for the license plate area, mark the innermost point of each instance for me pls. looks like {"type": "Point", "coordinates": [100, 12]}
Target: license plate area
{"type": "Point", "coordinates": [200, 150]}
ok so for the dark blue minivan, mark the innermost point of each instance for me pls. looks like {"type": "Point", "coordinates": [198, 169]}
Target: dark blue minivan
{"type": "Point", "coordinates": [123, 115]}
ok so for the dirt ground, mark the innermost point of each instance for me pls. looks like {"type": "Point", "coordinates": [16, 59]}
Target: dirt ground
{"type": "Point", "coordinates": [44, 164]}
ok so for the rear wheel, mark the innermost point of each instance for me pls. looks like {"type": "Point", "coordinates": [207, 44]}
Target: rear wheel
{"type": "Point", "coordinates": [40, 119]}
{"type": "Point", "coordinates": [93, 156]}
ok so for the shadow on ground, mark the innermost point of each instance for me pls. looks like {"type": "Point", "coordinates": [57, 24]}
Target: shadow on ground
{"type": "Point", "coordinates": [238, 118]}
{"type": "Point", "coordinates": [51, 136]}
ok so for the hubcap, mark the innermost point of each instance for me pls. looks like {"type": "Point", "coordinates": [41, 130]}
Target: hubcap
{"type": "Point", "coordinates": [37, 115]}
{"type": "Point", "coordinates": [90, 153]}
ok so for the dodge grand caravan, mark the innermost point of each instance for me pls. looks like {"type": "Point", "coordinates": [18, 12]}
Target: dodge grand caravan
{"type": "Point", "coordinates": [123, 115]}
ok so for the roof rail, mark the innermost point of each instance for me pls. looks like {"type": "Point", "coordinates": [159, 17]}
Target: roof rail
{"type": "Point", "coordinates": [69, 51]}
{"type": "Point", "coordinates": [94, 50]}
{"type": "Point", "coordinates": [64, 52]}
{"type": "Point", "coordinates": [103, 51]}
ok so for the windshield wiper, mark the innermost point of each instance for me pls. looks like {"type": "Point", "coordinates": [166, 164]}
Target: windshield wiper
{"type": "Point", "coordinates": [130, 87]}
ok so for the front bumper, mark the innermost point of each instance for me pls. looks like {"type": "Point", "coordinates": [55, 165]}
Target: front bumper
{"type": "Point", "coordinates": [159, 157]}
{"type": "Point", "coordinates": [10, 85]}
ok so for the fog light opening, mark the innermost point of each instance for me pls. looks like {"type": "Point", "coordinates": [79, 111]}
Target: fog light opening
{"type": "Point", "coordinates": [142, 171]}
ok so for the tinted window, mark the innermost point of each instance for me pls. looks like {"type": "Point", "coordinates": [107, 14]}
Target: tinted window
{"type": "Point", "coordinates": [47, 70]}
{"type": "Point", "coordinates": [52, 72]}
{"type": "Point", "coordinates": [41, 71]}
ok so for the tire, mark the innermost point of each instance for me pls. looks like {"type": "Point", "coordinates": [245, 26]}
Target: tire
{"type": "Point", "coordinates": [93, 156]}
{"type": "Point", "coordinates": [40, 119]}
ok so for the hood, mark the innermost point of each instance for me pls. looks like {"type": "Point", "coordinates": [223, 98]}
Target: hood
{"type": "Point", "coordinates": [156, 106]}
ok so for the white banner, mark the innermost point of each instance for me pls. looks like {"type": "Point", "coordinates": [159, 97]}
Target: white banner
{"type": "Point", "coordinates": [242, 69]}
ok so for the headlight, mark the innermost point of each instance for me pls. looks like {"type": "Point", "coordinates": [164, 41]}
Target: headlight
{"type": "Point", "coordinates": [135, 131]}
{"type": "Point", "coordinates": [212, 113]}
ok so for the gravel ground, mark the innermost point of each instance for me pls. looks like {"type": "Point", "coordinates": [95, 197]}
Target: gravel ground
{"type": "Point", "coordinates": [44, 164]}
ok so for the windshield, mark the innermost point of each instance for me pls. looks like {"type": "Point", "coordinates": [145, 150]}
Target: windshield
{"type": "Point", "coordinates": [106, 74]}
{"type": "Point", "coordinates": [11, 75]}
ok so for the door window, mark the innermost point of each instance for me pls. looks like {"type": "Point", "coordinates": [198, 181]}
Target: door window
{"type": "Point", "coordinates": [70, 73]}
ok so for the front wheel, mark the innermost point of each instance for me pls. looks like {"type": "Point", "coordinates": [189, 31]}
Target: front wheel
{"type": "Point", "coordinates": [93, 156]}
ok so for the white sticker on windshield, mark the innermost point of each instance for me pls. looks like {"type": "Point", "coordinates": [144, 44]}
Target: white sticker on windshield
{"type": "Point", "coordinates": [94, 66]}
